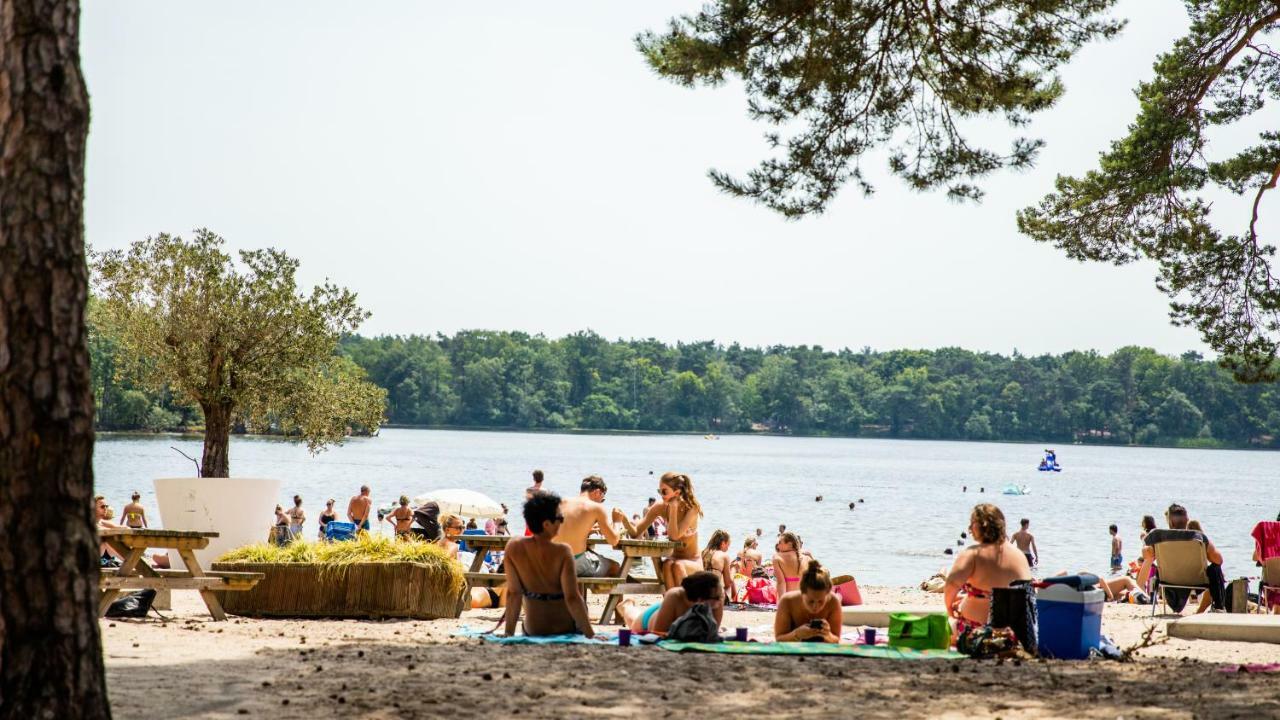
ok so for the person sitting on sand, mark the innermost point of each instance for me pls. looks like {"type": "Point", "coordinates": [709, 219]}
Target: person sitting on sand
{"type": "Point", "coordinates": [582, 515]}
{"type": "Point", "coordinates": [401, 518]}
{"type": "Point", "coordinates": [811, 613]}
{"type": "Point", "coordinates": [750, 558]}
{"type": "Point", "coordinates": [788, 563]}
{"type": "Point", "coordinates": [978, 568]}
{"type": "Point", "coordinates": [681, 511]}
{"type": "Point", "coordinates": [540, 576]}
{"type": "Point", "coordinates": [359, 509]}
{"type": "Point", "coordinates": [451, 527]}
{"type": "Point", "coordinates": [135, 516]}
{"type": "Point", "coordinates": [703, 586]}
{"type": "Point", "coordinates": [715, 557]}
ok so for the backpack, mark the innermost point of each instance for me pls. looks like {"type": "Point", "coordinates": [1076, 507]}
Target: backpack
{"type": "Point", "coordinates": [697, 625]}
{"type": "Point", "coordinates": [1014, 607]}
{"type": "Point", "coordinates": [133, 605]}
{"type": "Point", "coordinates": [762, 591]}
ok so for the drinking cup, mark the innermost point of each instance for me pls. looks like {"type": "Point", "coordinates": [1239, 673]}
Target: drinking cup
{"type": "Point", "coordinates": [869, 636]}
{"type": "Point", "coordinates": [624, 638]}
{"type": "Point", "coordinates": [740, 634]}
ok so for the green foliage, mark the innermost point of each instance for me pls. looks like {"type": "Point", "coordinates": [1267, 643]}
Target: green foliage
{"type": "Point", "coordinates": [337, 557]}
{"type": "Point", "coordinates": [849, 76]}
{"type": "Point", "coordinates": [1145, 199]}
{"type": "Point", "coordinates": [1133, 395]}
{"type": "Point", "coordinates": [237, 340]}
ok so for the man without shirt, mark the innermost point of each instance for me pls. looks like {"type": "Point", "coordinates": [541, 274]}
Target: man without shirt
{"type": "Point", "coordinates": [582, 515]}
{"type": "Point", "coordinates": [1026, 542]}
{"type": "Point", "coordinates": [359, 507]}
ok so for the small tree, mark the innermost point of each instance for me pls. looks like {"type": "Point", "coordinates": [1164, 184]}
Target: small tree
{"type": "Point", "coordinates": [243, 344]}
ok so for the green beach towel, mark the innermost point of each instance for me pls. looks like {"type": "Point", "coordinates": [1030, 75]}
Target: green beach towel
{"type": "Point", "coordinates": [803, 648]}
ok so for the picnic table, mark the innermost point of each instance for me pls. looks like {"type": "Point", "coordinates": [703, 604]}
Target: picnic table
{"type": "Point", "coordinates": [135, 574]}
{"type": "Point", "coordinates": [634, 553]}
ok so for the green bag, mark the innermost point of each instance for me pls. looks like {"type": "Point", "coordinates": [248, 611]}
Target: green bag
{"type": "Point", "coordinates": [919, 632]}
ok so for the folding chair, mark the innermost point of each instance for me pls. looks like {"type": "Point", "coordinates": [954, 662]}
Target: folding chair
{"type": "Point", "coordinates": [1270, 581]}
{"type": "Point", "coordinates": [1182, 565]}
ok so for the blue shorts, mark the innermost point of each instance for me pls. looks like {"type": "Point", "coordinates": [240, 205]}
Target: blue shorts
{"type": "Point", "coordinates": [1117, 561]}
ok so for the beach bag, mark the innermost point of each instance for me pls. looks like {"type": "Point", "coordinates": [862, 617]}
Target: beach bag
{"type": "Point", "coordinates": [848, 592]}
{"type": "Point", "coordinates": [1237, 599]}
{"type": "Point", "coordinates": [338, 530]}
{"type": "Point", "coordinates": [427, 515]}
{"type": "Point", "coordinates": [133, 605]}
{"type": "Point", "coordinates": [697, 625]}
{"type": "Point", "coordinates": [762, 591]}
{"type": "Point", "coordinates": [987, 642]}
{"type": "Point", "coordinates": [919, 632]}
{"type": "Point", "coordinates": [1014, 607]}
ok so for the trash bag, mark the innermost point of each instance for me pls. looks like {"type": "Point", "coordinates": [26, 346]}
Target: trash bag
{"type": "Point", "coordinates": [1014, 607]}
{"type": "Point", "coordinates": [133, 605]}
{"type": "Point", "coordinates": [698, 624]}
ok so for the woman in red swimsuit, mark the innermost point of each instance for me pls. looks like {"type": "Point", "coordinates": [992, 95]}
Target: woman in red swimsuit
{"type": "Point", "coordinates": [992, 563]}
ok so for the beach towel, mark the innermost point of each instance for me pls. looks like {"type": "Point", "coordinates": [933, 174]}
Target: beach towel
{"type": "Point", "coordinates": [803, 648]}
{"type": "Point", "coordinates": [1267, 535]}
{"type": "Point", "coordinates": [599, 639]}
{"type": "Point", "coordinates": [744, 606]}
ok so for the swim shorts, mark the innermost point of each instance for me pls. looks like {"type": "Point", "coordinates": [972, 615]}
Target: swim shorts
{"type": "Point", "coordinates": [589, 564]}
{"type": "Point", "coordinates": [1117, 562]}
{"type": "Point", "coordinates": [1030, 560]}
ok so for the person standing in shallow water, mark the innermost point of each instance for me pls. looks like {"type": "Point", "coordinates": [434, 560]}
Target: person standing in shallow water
{"type": "Point", "coordinates": [360, 507]}
{"type": "Point", "coordinates": [296, 517]}
{"type": "Point", "coordinates": [327, 516]}
{"type": "Point", "coordinates": [1026, 542]}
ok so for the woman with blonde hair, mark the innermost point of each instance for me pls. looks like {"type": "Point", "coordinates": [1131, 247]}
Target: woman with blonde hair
{"type": "Point", "coordinates": [681, 511]}
{"type": "Point", "coordinates": [749, 558]}
{"type": "Point", "coordinates": [788, 563]}
{"type": "Point", "coordinates": [715, 557]}
{"type": "Point", "coordinates": [810, 613]}
{"type": "Point", "coordinates": [991, 563]}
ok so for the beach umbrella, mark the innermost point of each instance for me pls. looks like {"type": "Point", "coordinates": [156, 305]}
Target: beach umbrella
{"type": "Point", "coordinates": [460, 501]}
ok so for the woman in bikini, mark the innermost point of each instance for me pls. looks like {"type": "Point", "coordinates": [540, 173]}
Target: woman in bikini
{"type": "Point", "coordinates": [811, 613]}
{"type": "Point", "coordinates": [541, 579]}
{"type": "Point", "coordinates": [681, 511]}
{"type": "Point", "coordinates": [715, 557]}
{"type": "Point", "coordinates": [750, 558]}
{"type": "Point", "coordinates": [327, 516]}
{"type": "Point", "coordinates": [703, 586]}
{"type": "Point", "coordinates": [788, 563]}
{"type": "Point", "coordinates": [297, 516]}
{"type": "Point", "coordinates": [991, 563]}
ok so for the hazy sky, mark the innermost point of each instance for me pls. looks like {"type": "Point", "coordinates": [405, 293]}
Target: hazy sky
{"type": "Point", "coordinates": [515, 165]}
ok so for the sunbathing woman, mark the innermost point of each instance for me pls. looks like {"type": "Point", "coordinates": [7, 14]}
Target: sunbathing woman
{"type": "Point", "coordinates": [788, 563]}
{"type": "Point", "coordinates": [703, 586]}
{"type": "Point", "coordinates": [810, 614]}
{"type": "Point", "coordinates": [750, 558]}
{"type": "Point", "coordinates": [541, 579]}
{"type": "Point", "coordinates": [992, 563]}
{"type": "Point", "coordinates": [715, 557]}
{"type": "Point", "coordinates": [681, 511]}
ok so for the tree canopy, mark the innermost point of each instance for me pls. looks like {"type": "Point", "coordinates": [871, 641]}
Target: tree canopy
{"type": "Point", "coordinates": [240, 342]}
{"type": "Point", "coordinates": [834, 80]}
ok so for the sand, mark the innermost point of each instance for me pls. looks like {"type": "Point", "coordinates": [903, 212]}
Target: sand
{"type": "Point", "coordinates": [190, 666]}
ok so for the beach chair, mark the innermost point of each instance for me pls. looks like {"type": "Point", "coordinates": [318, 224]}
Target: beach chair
{"type": "Point", "coordinates": [1270, 582]}
{"type": "Point", "coordinates": [1182, 565]}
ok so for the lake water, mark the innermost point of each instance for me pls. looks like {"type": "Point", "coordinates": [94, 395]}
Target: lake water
{"type": "Point", "coordinates": [914, 507]}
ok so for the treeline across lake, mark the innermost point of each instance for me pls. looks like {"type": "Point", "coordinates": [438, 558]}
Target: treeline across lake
{"type": "Point", "coordinates": [584, 381]}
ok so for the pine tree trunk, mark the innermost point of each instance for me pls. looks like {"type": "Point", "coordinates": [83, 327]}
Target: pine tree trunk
{"type": "Point", "coordinates": [217, 440]}
{"type": "Point", "coordinates": [50, 650]}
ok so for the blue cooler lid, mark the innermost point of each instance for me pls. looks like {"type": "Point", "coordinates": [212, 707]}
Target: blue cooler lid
{"type": "Point", "coordinates": [1067, 594]}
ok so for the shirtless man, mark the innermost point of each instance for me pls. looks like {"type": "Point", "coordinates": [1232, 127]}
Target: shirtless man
{"type": "Point", "coordinates": [540, 576]}
{"type": "Point", "coordinates": [135, 516]}
{"type": "Point", "coordinates": [402, 518]}
{"type": "Point", "coordinates": [1026, 542]}
{"type": "Point", "coordinates": [583, 514]}
{"type": "Point", "coordinates": [535, 487]}
{"type": "Point", "coordinates": [359, 507]}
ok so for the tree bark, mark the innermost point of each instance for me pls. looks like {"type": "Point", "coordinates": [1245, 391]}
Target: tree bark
{"type": "Point", "coordinates": [50, 650]}
{"type": "Point", "coordinates": [216, 461]}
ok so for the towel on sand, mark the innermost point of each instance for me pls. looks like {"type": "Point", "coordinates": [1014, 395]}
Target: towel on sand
{"type": "Point", "coordinates": [599, 639]}
{"type": "Point", "coordinates": [801, 648]}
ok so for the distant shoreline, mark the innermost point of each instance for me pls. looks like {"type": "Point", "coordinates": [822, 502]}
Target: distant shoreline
{"type": "Point", "coordinates": [690, 433]}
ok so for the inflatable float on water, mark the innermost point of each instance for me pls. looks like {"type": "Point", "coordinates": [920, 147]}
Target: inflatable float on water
{"type": "Point", "coordinates": [1016, 490]}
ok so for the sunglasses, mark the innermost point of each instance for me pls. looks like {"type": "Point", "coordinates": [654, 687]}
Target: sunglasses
{"type": "Point", "coordinates": [559, 518]}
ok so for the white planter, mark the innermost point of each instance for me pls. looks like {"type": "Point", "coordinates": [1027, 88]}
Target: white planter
{"type": "Point", "coordinates": [240, 510]}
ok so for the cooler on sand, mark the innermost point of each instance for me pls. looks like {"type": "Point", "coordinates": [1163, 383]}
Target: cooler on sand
{"type": "Point", "coordinates": [1070, 621]}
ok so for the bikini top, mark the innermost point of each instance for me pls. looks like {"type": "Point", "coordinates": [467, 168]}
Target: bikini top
{"type": "Point", "coordinates": [975, 593]}
{"type": "Point", "coordinates": [543, 596]}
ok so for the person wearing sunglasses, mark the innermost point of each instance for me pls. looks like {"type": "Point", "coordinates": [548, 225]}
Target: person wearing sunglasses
{"type": "Point", "coordinates": [582, 515]}
{"type": "Point", "coordinates": [681, 511]}
{"type": "Point", "coordinates": [541, 579]}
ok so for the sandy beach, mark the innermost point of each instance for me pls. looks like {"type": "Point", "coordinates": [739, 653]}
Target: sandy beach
{"type": "Point", "coordinates": [190, 666]}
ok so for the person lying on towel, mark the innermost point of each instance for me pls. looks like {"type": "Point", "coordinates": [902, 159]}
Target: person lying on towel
{"type": "Point", "coordinates": [703, 587]}
{"type": "Point", "coordinates": [810, 614]}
